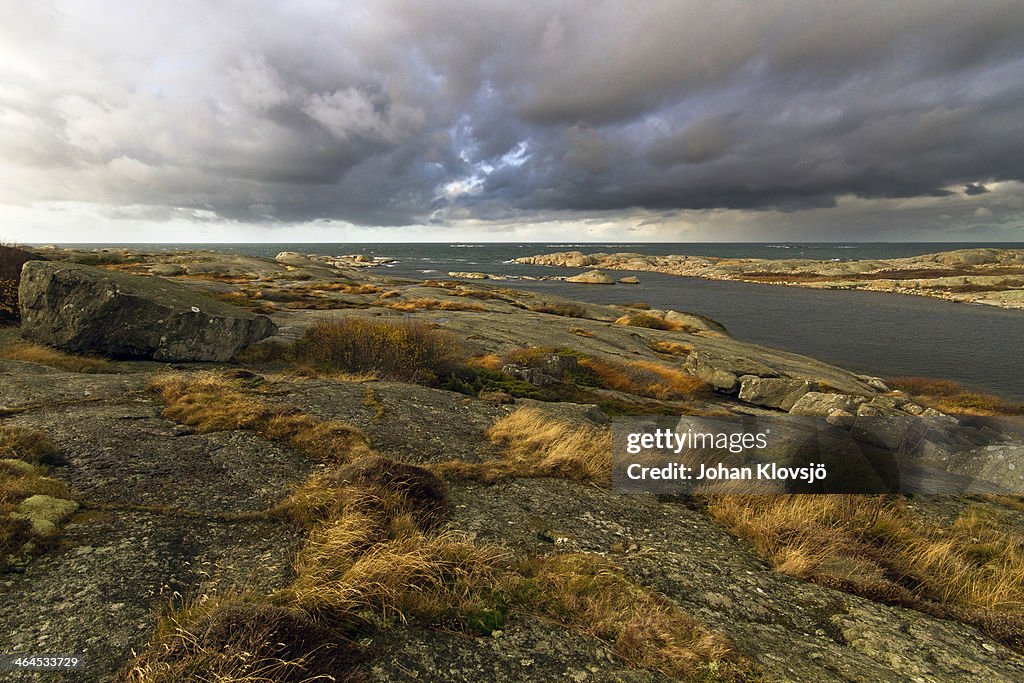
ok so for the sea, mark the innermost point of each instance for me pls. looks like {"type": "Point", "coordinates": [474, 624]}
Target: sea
{"type": "Point", "coordinates": [879, 334]}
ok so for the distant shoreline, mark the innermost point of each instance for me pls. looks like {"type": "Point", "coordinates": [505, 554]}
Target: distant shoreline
{"type": "Point", "coordinates": [988, 276]}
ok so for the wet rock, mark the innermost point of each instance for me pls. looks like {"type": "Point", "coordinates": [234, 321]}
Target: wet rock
{"type": "Point", "coordinates": [629, 280]}
{"type": "Point", "coordinates": [89, 310]}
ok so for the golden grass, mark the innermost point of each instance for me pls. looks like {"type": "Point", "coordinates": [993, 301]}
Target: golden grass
{"type": "Point", "coordinates": [951, 397]}
{"type": "Point", "coordinates": [212, 402]}
{"type": "Point", "coordinates": [646, 378]}
{"type": "Point", "coordinates": [971, 570]}
{"type": "Point", "coordinates": [649, 321]}
{"type": "Point", "coordinates": [669, 348]}
{"type": "Point", "coordinates": [426, 304]}
{"type": "Point", "coordinates": [537, 445]}
{"type": "Point", "coordinates": [487, 361]}
{"type": "Point", "coordinates": [30, 352]}
{"type": "Point", "coordinates": [642, 627]}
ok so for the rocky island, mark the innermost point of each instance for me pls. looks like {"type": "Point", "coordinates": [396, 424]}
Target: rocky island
{"type": "Point", "coordinates": [357, 477]}
{"type": "Point", "coordinates": [994, 277]}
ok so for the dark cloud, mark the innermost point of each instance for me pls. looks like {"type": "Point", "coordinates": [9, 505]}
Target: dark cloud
{"type": "Point", "coordinates": [390, 112]}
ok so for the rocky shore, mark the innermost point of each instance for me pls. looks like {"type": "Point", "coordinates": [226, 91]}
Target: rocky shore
{"type": "Point", "coordinates": [206, 485]}
{"type": "Point", "coordinates": [993, 277]}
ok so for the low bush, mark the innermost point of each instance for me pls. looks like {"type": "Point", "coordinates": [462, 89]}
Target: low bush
{"type": "Point", "coordinates": [11, 261]}
{"type": "Point", "coordinates": [566, 309]}
{"type": "Point", "coordinates": [651, 322]}
{"type": "Point", "coordinates": [409, 350]}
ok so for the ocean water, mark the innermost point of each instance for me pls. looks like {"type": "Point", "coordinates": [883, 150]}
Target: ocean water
{"type": "Point", "coordinates": [879, 334]}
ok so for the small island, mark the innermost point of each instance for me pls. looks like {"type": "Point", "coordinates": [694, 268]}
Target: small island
{"type": "Point", "coordinates": [994, 277]}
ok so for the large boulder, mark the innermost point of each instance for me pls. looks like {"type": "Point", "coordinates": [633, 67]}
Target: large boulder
{"type": "Point", "coordinates": [89, 310]}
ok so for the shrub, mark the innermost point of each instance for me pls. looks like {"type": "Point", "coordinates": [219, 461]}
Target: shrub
{"type": "Point", "coordinates": [567, 309]}
{"type": "Point", "coordinates": [11, 261]}
{"type": "Point", "coordinates": [408, 350]}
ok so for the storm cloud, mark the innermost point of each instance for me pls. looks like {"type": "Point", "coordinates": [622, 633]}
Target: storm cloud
{"type": "Point", "coordinates": [398, 113]}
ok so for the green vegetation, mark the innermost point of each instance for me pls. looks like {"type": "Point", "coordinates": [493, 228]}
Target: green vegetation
{"type": "Point", "coordinates": [32, 504]}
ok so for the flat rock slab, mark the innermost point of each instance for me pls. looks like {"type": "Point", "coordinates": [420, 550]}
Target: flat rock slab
{"type": "Point", "coordinates": [528, 649]}
{"type": "Point", "coordinates": [98, 594]}
{"type": "Point", "coordinates": [120, 451]}
{"type": "Point", "coordinates": [797, 631]}
{"type": "Point", "coordinates": [91, 310]}
{"type": "Point", "coordinates": [404, 421]}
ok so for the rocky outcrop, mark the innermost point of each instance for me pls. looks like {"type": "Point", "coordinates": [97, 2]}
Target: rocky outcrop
{"type": "Point", "coordinates": [592, 277]}
{"type": "Point", "coordinates": [88, 310]}
{"type": "Point", "coordinates": [986, 275]}
{"type": "Point", "coordinates": [772, 392]}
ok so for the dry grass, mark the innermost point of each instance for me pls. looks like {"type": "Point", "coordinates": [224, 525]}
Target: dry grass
{"type": "Point", "coordinates": [566, 309]}
{"type": "Point", "coordinates": [670, 348]}
{"type": "Point", "coordinates": [212, 402]}
{"type": "Point", "coordinates": [407, 350]}
{"type": "Point", "coordinates": [241, 639]}
{"type": "Point", "coordinates": [537, 445]}
{"type": "Point", "coordinates": [45, 355]}
{"type": "Point", "coordinates": [487, 361]}
{"type": "Point", "coordinates": [646, 378]}
{"type": "Point", "coordinates": [580, 332]}
{"type": "Point", "coordinates": [640, 626]}
{"type": "Point", "coordinates": [28, 444]}
{"type": "Point", "coordinates": [950, 397]}
{"type": "Point", "coordinates": [971, 570]}
{"type": "Point", "coordinates": [425, 304]}
{"type": "Point", "coordinates": [649, 321]}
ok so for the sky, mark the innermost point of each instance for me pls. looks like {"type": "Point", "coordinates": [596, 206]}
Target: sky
{"type": "Point", "coordinates": [575, 120]}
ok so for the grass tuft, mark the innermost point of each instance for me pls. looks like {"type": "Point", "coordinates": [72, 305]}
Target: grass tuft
{"type": "Point", "coordinates": [971, 570]}
{"type": "Point", "coordinates": [44, 355]}
{"type": "Point", "coordinates": [537, 445]}
{"type": "Point", "coordinates": [213, 402]}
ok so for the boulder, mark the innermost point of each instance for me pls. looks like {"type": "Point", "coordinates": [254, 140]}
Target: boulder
{"type": "Point", "coordinates": [592, 277]}
{"type": "Point", "coordinates": [88, 310]}
{"type": "Point", "coordinates": [630, 280]}
{"type": "Point", "coordinates": [822, 405]}
{"type": "Point", "coordinates": [772, 392]}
